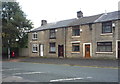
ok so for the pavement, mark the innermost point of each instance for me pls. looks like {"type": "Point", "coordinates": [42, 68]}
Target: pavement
{"type": "Point", "coordinates": [102, 63]}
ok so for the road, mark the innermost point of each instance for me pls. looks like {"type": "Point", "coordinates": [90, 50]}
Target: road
{"type": "Point", "coordinates": [36, 72]}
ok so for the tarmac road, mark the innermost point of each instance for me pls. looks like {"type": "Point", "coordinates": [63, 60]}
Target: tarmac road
{"type": "Point", "coordinates": [36, 72]}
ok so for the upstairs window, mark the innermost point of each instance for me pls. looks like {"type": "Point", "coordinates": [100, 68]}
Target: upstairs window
{"type": "Point", "coordinates": [107, 27]}
{"type": "Point", "coordinates": [34, 36]}
{"type": "Point", "coordinates": [75, 31]}
{"type": "Point", "coordinates": [52, 34]}
{"type": "Point", "coordinates": [104, 46]}
{"type": "Point", "coordinates": [76, 47]}
{"type": "Point", "coordinates": [90, 26]}
{"type": "Point", "coordinates": [52, 48]}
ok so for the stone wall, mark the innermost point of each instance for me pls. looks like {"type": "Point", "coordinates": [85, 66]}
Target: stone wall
{"type": "Point", "coordinates": [64, 37]}
{"type": "Point", "coordinates": [23, 52]}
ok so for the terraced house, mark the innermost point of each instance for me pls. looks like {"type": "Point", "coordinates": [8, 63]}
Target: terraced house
{"type": "Point", "coordinates": [96, 36]}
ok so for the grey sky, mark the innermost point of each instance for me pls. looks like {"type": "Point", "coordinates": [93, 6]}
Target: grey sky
{"type": "Point", "coordinates": [55, 10]}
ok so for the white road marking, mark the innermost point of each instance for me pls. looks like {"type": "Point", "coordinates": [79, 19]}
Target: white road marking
{"type": "Point", "coordinates": [12, 79]}
{"type": "Point", "coordinates": [10, 69]}
{"type": "Point", "coordinates": [27, 73]}
{"type": "Point", "coordinates": [17, 77]}
{"type": "Point", "coordinates": [57, 80]}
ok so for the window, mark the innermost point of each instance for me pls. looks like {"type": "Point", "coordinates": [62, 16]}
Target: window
{"type": "Point", "coordinates": [34, 36]}
{"type": "Point", "coordinates": [52, 34]}
{"type": "Point", "coordinates": [90, 26]}
{"type": "Point", "coordinates": [75, 31]}
{"type": "Point", "coordinates": [35, 48]}
{"type": "Point", "coordinates": [75, 47]}
{"type": "Point", "coordinates": [52, 48]}
{"type": "Point", "coordinates": [107, 27]}
{"type": "Point", "coordinates": [104, 46]}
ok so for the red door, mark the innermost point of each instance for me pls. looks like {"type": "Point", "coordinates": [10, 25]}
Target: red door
{"type": "Point", "coordinates": [60, 51]}
{"type": "Point", "coordinates": [87, 51]}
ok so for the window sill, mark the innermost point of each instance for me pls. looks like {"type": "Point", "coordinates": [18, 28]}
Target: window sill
{"type": "Point", "coordinates": [106, 34]}
{"type": "Point", "coordinates": [34, 51]}
{"type": "Point", "coordinates": [104, 52]}
{"type": "Point", "coordinates": [34, 39]}
{"type": "Point", "coordinates": [75, 36]}
{"type": "Point", "coordinates": [75, 52]}
{"type": "Point", "coordinates": [75, 42]}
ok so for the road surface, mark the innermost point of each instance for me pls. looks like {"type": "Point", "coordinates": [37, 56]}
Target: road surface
{"type": "Point", "coordinates": [36, 72]}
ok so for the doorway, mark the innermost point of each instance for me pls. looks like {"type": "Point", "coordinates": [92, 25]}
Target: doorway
{"type": "Point", "coordinates": [60, 51]}
{"type": "Point", "coordinates": [118, 50]}
{"type": "Point", "coordinates": [41, 49]}
{"type": "Point", "coordinates": [87, 50]}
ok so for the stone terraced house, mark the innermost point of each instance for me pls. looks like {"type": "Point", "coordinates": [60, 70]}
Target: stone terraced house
{"type": "Point", "coordinates": [96, 36]}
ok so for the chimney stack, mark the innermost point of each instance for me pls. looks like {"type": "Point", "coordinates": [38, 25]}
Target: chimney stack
{"type": "Point", "coordinates": [43, 22]}
{"type": "Point", "coordinates": [79, 14]}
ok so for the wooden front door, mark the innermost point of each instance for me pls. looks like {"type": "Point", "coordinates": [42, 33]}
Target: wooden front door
{"type": "Point", "coordinates": [87, 51]}
{"type": "Point", "coordinates": [118, 50]}
{"type": "Point", "coordinates": [60, 51]}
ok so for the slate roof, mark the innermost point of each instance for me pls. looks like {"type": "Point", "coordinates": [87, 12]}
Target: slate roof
{"type": "Point", "coordinates": [59, 24]}
{"type": "Point", "coordinates": [47, 26]}
{"type": "Point", "coordinates": [109, 16]}
{"type": "Point", "coordinates": [84, 20]}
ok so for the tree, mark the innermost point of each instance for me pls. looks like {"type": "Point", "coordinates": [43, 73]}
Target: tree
{"type": "Point", "coordinates": [14, 25]}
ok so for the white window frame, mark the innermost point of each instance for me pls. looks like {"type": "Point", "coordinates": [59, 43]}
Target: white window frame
{"type": "Point", "coordinates": [104, 45]}
{"type": "Point", "coordinates": [34, 36]}
{"type": "Point", "coordinates": [33, 46]}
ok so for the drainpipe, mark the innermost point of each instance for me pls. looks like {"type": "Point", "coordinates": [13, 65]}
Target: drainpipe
{"type": "Point", "coordinates": [65, 42]}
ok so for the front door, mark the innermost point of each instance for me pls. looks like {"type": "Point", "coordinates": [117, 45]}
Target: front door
{"type": "Point", "coordinates": [60, 51]}
{"type": "Point", "coordinates": [41, 48]}
{"type": "Point", "coordinates": [87, 51]}
{"type": "Point", "coordinates": [118, 50]}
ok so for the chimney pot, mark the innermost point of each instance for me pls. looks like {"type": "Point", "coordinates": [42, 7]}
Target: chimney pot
{"type": "Point", "coordinates": [79, 14]}
{"type": "Point", "coordinates": [43, 22]}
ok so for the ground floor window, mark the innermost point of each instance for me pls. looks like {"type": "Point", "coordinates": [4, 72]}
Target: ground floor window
{"type": "Point", "coordinates": [104, 46]}
{"type": "Point", "coordinates": [76, 47]}
{"type": "Point", "coordinates": [35, 48]}
{"type": "Point", "coordinates": [52, 48]}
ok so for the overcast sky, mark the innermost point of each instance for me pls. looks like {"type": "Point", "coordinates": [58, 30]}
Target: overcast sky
{"type": "Point", "coordinates": [56, 10]}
